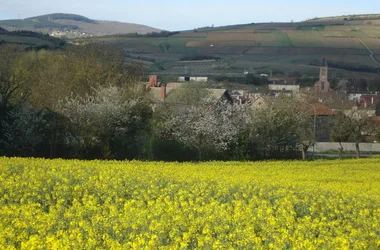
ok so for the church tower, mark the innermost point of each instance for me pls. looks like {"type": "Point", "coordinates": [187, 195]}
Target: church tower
{"type": "Point", "coordinates": [323, 85]}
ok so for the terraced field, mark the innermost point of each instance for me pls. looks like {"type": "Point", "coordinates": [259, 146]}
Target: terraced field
{"type": "Point", "coordinates": [317, 39]}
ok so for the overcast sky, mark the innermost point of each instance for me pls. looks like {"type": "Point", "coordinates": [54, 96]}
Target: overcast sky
{"type": "Point", "coordinates": [182, 14]}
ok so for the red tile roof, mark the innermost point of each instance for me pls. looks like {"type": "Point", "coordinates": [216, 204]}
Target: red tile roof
{"type": "Point", "coordinates": [377, 120]}
{"type": "Point", "coordinates": [317, 109]}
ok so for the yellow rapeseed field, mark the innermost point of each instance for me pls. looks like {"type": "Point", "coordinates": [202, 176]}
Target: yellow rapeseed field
{"type": "Point", "coordinates": [61, 204]}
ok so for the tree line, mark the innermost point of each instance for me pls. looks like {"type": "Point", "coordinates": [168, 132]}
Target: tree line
{"type": "Point", "coordinates": [84, 102]}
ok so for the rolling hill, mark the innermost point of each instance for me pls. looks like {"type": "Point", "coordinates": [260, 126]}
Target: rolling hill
{"type": "Point", "coordinates": [351, 44]}
{"type": "Point", "coordinates": [72, 26]}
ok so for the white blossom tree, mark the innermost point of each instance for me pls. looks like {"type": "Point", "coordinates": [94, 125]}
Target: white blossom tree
{"type": "Point", "coordinates": [206, 124]}
{"type": "Point", "coordinates": [106, 116]}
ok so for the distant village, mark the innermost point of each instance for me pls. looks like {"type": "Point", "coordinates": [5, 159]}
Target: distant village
{"type": "Point", "coordinates": [323, 101]}
{"type": "Point", "coordinates": [321, 92]}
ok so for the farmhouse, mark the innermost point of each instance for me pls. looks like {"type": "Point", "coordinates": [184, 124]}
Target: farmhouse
{"type": "Point", "coordinates": [291, 90]}
{"type": "Point", "coordinates": [163, 93]}
{"type": "Point", "coordinates": [192, 79]}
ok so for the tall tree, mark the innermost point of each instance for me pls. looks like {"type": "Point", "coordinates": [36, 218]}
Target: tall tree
{"type": "Point", "coordinates": [341, 131]}
{"type": "Point", "coordinates": [282, 126]}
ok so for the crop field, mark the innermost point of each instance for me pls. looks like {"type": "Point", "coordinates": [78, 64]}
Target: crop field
{"type": "Point", "coordinates": [278, 39]}
{"type": "Point", "coordinates": [372, 43]}
{"type": "Point", "coordinates": [191, 34]}
{"type": "Point", "coordinates": [316, 39]}
{"type": "Point", "coordinates": [310, 41]}
{"type": "Point", "coordinates": [58, 204]}
{"type": "Point", "coordinates": [373, 32]}
{"type": "Point", "coordinates": [306, 51]}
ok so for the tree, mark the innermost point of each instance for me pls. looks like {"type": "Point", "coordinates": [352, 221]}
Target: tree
{"type": "Point", "coordinates": [306, 132]}
{"type": "Point", "coordinates": [109, 122]}
{"type": "Point", "coordinates": [281, 127]}
{"type": "Point", "coordinates": [200, 122]}
{"type": "Point", "coordinates": [251, 79]}
{"type": "Point", "coordinates": [14, 69]}
{"type": "Point", "coordinates": [341, 131]}
{"type": "Point", "coordinates": [334, 83]}
{"type": "Point", "coordinates": [362, 128]}
{"type": "Point", "coordinates": [27, 131]}
{"type": "Point", "coordinates": [354, 125]}
{"type": "Point", "coordinates": [79, 71]}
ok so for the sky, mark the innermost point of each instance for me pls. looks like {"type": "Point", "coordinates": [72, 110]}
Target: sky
{"type": "Point", "coordinates": [182, 14]}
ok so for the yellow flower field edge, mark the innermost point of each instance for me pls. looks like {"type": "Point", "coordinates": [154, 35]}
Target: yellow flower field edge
{"type": "Point", "coordinates": [70, 204]}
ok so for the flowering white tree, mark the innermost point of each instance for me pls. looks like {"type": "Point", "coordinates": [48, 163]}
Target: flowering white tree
{"type": "Point", "coordinates": [206, 124]}
{"type": "Point", "coordinates": [106, 116]}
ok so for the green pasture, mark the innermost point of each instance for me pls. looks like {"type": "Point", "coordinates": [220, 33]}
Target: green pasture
{"type": "Point", "coordinates": [24, 40]}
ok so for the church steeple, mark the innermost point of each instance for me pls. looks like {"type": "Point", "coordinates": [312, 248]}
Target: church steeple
{"type": "Point", "coordinates": [323, 85]}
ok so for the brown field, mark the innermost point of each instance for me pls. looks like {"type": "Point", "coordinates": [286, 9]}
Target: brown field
{"type": "Point", "coordinates": [194, 44]}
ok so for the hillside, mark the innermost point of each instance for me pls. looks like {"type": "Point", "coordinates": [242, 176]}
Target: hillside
{"type": "Point", "coordinates": [72, 26]}
{"type": "Point", "coordinates": [362, 17]}
{"type": "Point", "coordinates": [31, 40]}
{"type": "Point", "coordinates": [352, 47]}
{"type": "Point", "coordinates": [2, 29]}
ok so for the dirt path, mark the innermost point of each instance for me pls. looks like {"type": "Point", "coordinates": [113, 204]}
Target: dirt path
{"type": "Point", "coordinates": [371, 54]}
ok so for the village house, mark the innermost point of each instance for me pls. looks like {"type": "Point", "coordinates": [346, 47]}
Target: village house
{"type": "Point", "coordinates": [192, 79]}
{"type": "Point", "coordinates": [161, 92]}
{"type": "Point", "coordinates": [289, 90]}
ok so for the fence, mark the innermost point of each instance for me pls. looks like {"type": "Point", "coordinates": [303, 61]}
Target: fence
{"type": "Point", "coordinates": [347, 146]}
